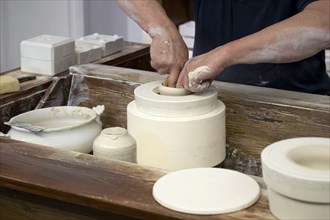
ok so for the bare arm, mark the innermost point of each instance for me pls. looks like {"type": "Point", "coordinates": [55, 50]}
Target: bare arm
{"type": "Point", "coordinates": [293, 39]}
{"type": "Point", "coordinates": [168, 51]}
{"type": "Point", "coordinates": [149, 14]}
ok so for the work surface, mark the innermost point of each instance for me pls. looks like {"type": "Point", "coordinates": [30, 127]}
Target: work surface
{"type": "Point", "coordinates": [255, 116]}
{"type": "Point", "coordinates": [93, 187]}
{"type": "Point", "coordinates": [44, 183]}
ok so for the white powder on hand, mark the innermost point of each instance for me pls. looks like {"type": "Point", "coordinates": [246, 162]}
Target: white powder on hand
{"type": "Point", "coordinates": [194, 82]}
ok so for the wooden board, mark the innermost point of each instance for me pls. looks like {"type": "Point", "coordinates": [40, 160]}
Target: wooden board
{"type": "Point", "coordinates": [38, 181]}
{"type": "Point", "coordinates": [133, 55]}
{"type": "Point", "coordinates": [26, 99]}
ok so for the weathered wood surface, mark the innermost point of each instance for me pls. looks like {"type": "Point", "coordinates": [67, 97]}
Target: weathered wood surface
{"type": "Point", "coordinates": [97, 89]}
{"type": "Point", "coordinates": [46, 91]}
{"type": "Point", "coordinates": [39, 182]}
{"type": "Point", "coordinates": [255, 116]}
{"type": "Point", "coordinates": [26, 99]}
{"type": "Point", "coordinates": [133, 55]}
{"type": "Point", "coordinates": [57, 93]}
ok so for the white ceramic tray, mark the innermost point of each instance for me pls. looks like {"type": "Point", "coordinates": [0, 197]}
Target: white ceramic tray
{"type": "Point", "coordinates": [206, 191]}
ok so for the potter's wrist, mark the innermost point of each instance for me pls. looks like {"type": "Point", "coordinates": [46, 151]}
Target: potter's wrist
{"type": "Point", "coordinates": [223, 57]}
{"type": "Point", "coordinates": [155, 30]}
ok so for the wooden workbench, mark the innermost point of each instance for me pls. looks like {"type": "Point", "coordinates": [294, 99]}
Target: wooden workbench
{"type": "Point", "coordinates": [45, 183]}
{"type": "Point", "coordinates": [39, 182]}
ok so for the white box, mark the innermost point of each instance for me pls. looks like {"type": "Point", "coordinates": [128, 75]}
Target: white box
{"type": "Point", "coordinates": [187, 29]}
{"type": "Point", "coordinates": [87, 52]}
{"type": "Point", "coordinates": [189, 42]}
{"type": "Point", "coordinates": [327, 60]}
{"type": "Point", "coordinates": [46, 67]}
{"type": "Point", "coordinates": [47, 47]}
{"type": "Point", "coordinates": [110, 44]}
{"type": "Point", "coordinates": [47, 54]}
{"type": "Point", "coordinates": [190, 54]}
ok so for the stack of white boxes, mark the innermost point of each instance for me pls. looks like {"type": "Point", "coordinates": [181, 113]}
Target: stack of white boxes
{"type": "Point", "coordinates": [50, 55]}
{"type": "Point", "coordinates": [109, 44]}
{"type": "Point", "coordinates": [47, 54]}
{"type": "Point", "coordinates": [187, 31]}
{"type": "Point", "coordinates": [87, 52]}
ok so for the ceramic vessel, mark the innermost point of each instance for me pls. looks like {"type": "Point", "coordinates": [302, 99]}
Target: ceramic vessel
{"type": "Point", "coordinates": [297, 174]}
{"type": "Point", "coordinates": [165, 90]}
{"type": "Point", "coordinates": [67, 127]}
{"type": "Point", "coordinates": [115, 143]}
{"type": "Point", "coordinates": [177, 132]}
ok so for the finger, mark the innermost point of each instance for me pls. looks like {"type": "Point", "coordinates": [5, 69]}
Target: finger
{"type": "Point", "coordinates": [185, 80]}
{"type": "Point", "coordinates": [180, 82]}
{"type": "Point", "coordinates": [154, 65]}
{"type": "Point", "coordinates": [173, 77]}
{"type": "Point", "coordinates": [163, 70]}
{"type": "Point", "coordinates": [199, 87]}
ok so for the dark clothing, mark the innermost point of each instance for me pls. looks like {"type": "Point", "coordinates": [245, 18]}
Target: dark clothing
{"type": "Point", "coordinates": [221, 21]}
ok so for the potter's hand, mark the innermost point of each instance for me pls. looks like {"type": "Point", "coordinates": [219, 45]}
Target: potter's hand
{"type": "Point", "coordinates": [168, 53]}
{"type": "Point", "coordinates": [199, 72]}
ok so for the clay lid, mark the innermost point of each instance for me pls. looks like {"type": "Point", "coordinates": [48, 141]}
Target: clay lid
{"type": "Point", "coordinates": [206, 191]}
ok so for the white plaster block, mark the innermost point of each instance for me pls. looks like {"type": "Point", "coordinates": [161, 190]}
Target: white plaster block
{"type": "Point", "coordinates": [47, 47]}
{"type": "Point", "coordinates": [45, 67]}
{"type": "Point", "coordinates": [87, 52]}
{"type": "Point", "coordinates": [110, 44]}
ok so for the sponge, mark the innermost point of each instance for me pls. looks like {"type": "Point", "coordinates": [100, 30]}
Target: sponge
{"type": "Point", "coordinates": [8, 84]}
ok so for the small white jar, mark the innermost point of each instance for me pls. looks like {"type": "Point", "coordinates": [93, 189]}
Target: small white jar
{"type": "Point", "coordinates": [115, 143]}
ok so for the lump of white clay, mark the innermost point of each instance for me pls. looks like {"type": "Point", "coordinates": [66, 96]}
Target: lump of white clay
{"type": "Point", "coordinates": [196, 85]}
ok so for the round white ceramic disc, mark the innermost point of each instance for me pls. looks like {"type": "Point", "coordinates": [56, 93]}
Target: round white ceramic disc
{"type": "Point", "coordinates": [206, 191]}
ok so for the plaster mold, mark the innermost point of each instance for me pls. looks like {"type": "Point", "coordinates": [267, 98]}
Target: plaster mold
{"type": "Point", "coordinates": [87, 52]}
{"type": "Point", "coordinates": [110, 44]}
{"type": "Point", "coordinates": [47, 54]}
{"type": "Point", "coordinates": [177, 132]}
{"type": "Point", "coordinates": [296, 172]}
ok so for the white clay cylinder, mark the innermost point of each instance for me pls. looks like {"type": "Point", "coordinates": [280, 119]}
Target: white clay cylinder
{"type": "Point", "coordinates": [177, 132]}
{"type": "Point", "coordinates": [115, 143]}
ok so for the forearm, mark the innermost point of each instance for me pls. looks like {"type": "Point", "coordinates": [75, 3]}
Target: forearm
{"type": "Point", "coordinates": [168, 51]}
{"type": "Point", "coordinates": [293, 39]}
{"type": "Point", "coordinates": [148, 14]}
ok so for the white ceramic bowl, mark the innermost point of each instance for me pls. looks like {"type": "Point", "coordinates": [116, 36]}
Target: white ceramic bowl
{"type": "Point", "coordinates": [67, 127]}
